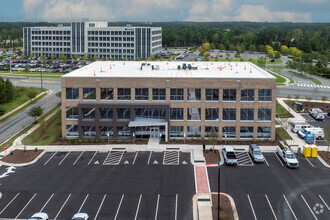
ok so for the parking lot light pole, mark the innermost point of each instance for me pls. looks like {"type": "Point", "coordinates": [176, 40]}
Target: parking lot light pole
{"type": "Point", "coordinates": [218, 208]}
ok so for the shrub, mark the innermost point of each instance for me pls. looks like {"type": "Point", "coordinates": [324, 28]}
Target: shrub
{"type": "Point", "coordinates": [220, 207]}
{"type": "Point", "coordinates": [309, 98]}
{"type": "Point", "coordinates": [2, 110]}
{"type": "Point", "coordinates": [11, 152]}
{"type": "Point", "coordinates": [296, 96]}
{"type": "Point", "coordinates": [323, 98]}
{"type": "Point", "coordinates": [35, 149]}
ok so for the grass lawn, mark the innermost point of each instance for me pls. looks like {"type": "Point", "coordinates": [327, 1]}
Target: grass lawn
{"type": "Point", "coordinates": [38, 76]}
{"type": "Point", "coordinates": [20, 98]}
{"type": "Point", "coordinates": [282, 134]}
{"type": "Point", "coordinates": [291, 80]}
{"type": "Point", "coordinates": [279, 79]}
{"type": "Point", "coordinates": [276, 66]}
{"type": "Point", "coordinates": [281, 112]}
{"type": "Point", "coordinates": [316, 81]}
{"type": "Point", "coordinates": [48, 132]}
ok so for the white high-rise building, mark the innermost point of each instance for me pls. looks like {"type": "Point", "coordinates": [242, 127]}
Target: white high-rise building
{"type": "Point", "coordinates": [93, 38]}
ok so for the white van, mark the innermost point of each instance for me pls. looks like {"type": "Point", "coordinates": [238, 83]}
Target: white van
{"type": "Point", "coordinates": [297, 126]}
{"type": "Point", "coordinates": [318, 132]}
{"type": "Point", "coordinates": [316, 113]}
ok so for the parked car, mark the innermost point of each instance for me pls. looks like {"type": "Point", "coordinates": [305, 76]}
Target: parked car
{"type": "Point", "coordinates": [39, 216]}
{"type": "Point", "coordinates": [80, 216]}
{"type": "Point", "coordinates": [316, 113]}
{"type": "Point", "coordinates": [229, 155]}
{"type": "Point", "coordinates": [256, 153]}
{"type": "Point", "coordinates": [297, 126]}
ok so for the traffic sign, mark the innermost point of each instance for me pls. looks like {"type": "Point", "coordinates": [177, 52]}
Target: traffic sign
{"type": "Point", "coordinates": [5, 147]}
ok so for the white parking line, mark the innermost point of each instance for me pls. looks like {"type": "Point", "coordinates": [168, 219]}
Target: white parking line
{"type": "Point", "coordinates": [135, 157]}
{"type": "Point", "coordinates": [64, 158]}
{"type": "Point", "coordinates": [78, 158]}
{"type": "Point", "coordinates": [309, 162]}
{"type": "Point", "coordinates": [92, 158]}
{"type": "Point", "coordinates": [50, 158]}
{"type": "Point", "coordinates": [149, 157]}
{"type": "Point", "coordinates": [324, 202]}
{"type": "Point", "coordinates": [266, 161]}
{"type": "Point", "coordinates": [97, 213]}
{"type": "Point", "coordinates": [270, 206]}
{"type": "Point", "coordinates": [254, 214]}
{"type": "Point", "coordinates": [138, 207]}
{"type": "Point", "coordinates": [157, 207]}
{"type": "Point", "coordinates": [290, 207]}
{"type": "Point", "coordinates": [26, 205]}
{"type": "Point", "coordinates": [121, 200]}
{"type": "Point", "coordinates": [278, 158]}
{"type": "Point", "coordinates": [62, 206]}
{"type": "Point", "coordinates": [83, 203]}
{"type": "Point", "coordinates": [308, 207]}
{"type": "Point", "coordinates": [9, 203]}
{"type": "Point", "coordinates": [176, 207]}
{"type": "Point", "coordinates": [46, 202]}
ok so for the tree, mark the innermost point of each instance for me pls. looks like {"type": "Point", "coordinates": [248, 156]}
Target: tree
{"type": "Point", "coordinates": [284, 49]}
{"type": "Point", "coordinates": [62, 57]}
{"type": "Point", "coordinates": [277, 55]}
{"type": "Point", "coordinates": [23, 56]}
{"type": "Point", "coordinates": [35, 111]}
{"type": "Point", "coordinates": [42, 57]}
{"type": "Point", "coordinates": [31, 56]}
{"type": "Point", "coordinates": [75, 57]}
{"type": "Point", "coordinates": [32, 94]}
{"type": "Point", "coordinates": [152, 57]}
{"type": "Point", "coordinates": [165, 47]}
{"type": "Point", "coordinates": [85, 57]}
{"type": "Point", "coordinates": [213, 138]}
{"type": "Point", "coordinates": [137, 58]}
{"type": "Point", "coordinates": [2, 110]}
{"type": "Point", "coordinates": [95, 58]}
{"type": "Point", "coordinates": [52, 57]}
{"type": "Point", "coordinates": [10, 90]}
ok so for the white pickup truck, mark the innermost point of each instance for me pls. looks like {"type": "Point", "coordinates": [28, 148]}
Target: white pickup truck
{"type": "Point", "coordinates": [287, 155]}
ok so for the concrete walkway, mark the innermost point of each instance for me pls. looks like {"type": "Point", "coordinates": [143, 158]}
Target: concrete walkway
{"type": "Point", "coordinates": [287, 80]}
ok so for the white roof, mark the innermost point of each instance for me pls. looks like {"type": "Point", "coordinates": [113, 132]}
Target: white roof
{"type": "Point", "coordinates": [164, 69]}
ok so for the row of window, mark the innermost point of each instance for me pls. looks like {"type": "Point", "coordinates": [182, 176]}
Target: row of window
{"type": "Point", "coordinates": [176, 94]}
{"type": "Point", "coordinates": [111, 32]}
{"type": "Point", "coordinates": [112, 39]}
{"type": "Point", "coordinates": [175, 131]}
{"type": "Point", "coordinates": [52, 32]}
{"type": "Point", "coordinates": [112, 44]}
{"type": "Point", "coordinates": [176, 114]}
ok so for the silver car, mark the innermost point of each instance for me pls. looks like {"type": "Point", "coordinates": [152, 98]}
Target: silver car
{"type": "Point", "coordinates": [256, 153]}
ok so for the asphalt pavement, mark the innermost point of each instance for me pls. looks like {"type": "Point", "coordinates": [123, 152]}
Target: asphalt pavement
{"type": "Point", "coordinates": [273, 191]}
{"type": "Point", "coordinates": [135, 185]}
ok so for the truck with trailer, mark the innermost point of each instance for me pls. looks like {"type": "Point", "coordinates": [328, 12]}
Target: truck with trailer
{"type": "Point", "coordinates": [287, 155]}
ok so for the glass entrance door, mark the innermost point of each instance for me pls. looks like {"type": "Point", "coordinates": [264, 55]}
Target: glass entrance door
{"type": "Point", "coordinates": [154, 132]}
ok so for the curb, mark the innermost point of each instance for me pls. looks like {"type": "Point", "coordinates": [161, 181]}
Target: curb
{"type": "Point", "coordinates": [322, 161]}
{"type": "Point", "coordinates": [233, 206]}
{"type": "Point", "coordinates": [196, 213]}
{"type": "Point", "coordinates": [23, 164]}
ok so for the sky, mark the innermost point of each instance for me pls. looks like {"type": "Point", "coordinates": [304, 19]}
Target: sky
{"type": "Point", "coordinates": [166, 10]}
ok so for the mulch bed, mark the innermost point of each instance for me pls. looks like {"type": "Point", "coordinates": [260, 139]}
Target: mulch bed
{"type": "Point", "coordinates": [226, 212]}
{"type": "Point", "coordinates": [325, 156]}
{"type": "Point", "coordinates": [211, 156]}
{"type": "Point", "coordinates": [19, 156]}
{"type": "Point", "coordinates": [96, 142]}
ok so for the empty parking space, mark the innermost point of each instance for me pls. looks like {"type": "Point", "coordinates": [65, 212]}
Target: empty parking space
{"type": "Point", "coordinates": [57, 158]}
{"type": "Point", "coordinates": [167, 206]}
{"type": "Point", "coordinates": [155, 158]}
{"type": "Point", "coordinates": [128, 158]}
{"type": "Point", "coordinates": [243, 158]}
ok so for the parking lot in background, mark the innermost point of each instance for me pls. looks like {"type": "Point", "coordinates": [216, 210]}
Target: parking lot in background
{"type": "Point", "coordinates": [270, 190]}
{"type": "Point", "coordinates": [106, 185]}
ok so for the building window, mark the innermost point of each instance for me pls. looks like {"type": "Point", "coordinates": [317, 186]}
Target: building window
{"type": "Point", "coordinates": [193, 94]}
{"type": "Point", "coordinates": [194, 114]}
{"type": "Point", "coordinates": [105, 130]}
{"type": "Point", "coordinates": [72, 93]}
{"type": "Point", "coordinates": [106, 93]}
{"type": "Point", "coordinates": [106, 113]}
{"type": "Point", "coordinates": [264, 114]}
{"type": "Point", "coordinates": [212, 114]}
{"type": "Point", "coordinates": [229, 95]}
{"type": "Point", "coordinates": [71, 112]}
{"type": "Point", "coordinates": [72, 130]}
{"type": "Point", "coordinates": [228, 132]}
{"type": "Point", "coordinates": [246, 132]}
{"type": "Point", "coordinates": [89, 93]}
{"type": "Point", "coordinates": [194, 131]}
{"type": "Point", "coordinates": [88, 131]}
{"type": "Point", "coordinates": [247, 114]}
{"type": "Point", "coordinates": [264, 132]}
{"type": "Point", "coordinates": [150, 113]}
{"type": "Point", "coordinates": [176, 114]}
{"type": "Point", "coordinates": [176, 131]}
{"type": "Point", "coordinates": [124, 93]}
{"type": "Point", "coordinates": [124, 113]}
{"type": "Point", "coordinates": [247, 95]}
{"type": "Point", "coordinates": [123, 131]}
{"type": "Point", "coordinates": [158, 94]}
{"type": "Point", "coordinates": [212, 94]}
{"type": "Point", "coordinates": [141, 94]}
{"type": "Point", "coordinates": [212, 131]}
{"type": "Point", "coordinates": [88, 113]}
{"type": "Point", "coordinates": [229, 114]}
{"type": "Point", "coordinates": [265, 95]}
{"type": "Point", "coordinates": [176, 94]}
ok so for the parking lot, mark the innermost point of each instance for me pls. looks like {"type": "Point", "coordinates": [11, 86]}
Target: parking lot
{"type": "Point", "coordinates": [272, 191]}
{"type": "Point", "coordinates": [316, 123]}
{"type": "Point", "coordinates": [106, 185]}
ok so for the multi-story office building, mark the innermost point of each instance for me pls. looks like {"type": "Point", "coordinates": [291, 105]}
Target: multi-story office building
{"type": "Point", "coordinates": [124, 100]}
{"type": "Point", "coordinates": [93, 38]}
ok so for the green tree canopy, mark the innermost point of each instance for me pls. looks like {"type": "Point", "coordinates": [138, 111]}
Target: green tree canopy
{"type": "Point", "coordinates": [35, 111]}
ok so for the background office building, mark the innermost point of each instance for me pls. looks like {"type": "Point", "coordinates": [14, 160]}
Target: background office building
{"type": "Point", "coordinates": [92, 38]}
{"type": "Point", "coordinates": [126, 100]}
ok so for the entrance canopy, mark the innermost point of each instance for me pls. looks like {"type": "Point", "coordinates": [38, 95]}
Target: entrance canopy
{"type": "Point", "coordinates": [146, 123]}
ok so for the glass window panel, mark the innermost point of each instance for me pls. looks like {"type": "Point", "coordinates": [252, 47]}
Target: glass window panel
{"type": "Point", "coordinates": [264, 132]}
{"type": "Point", "coordinates": [212, 94]}
{"type": "Point", "coordinates": [264, 114]}
{"type": "Point", "coordinates": [106, 113]}
{"type": "Point", "coordinates": [246, 132]}
{"type": "Point", "coordinates": [229, 114]}
{"type": "Point", "coordinates": [176, 114]}
{"type": "Point", "coordinates": [104, 130]}
{"type": "Point", "coordinates": [193, 94]}
{"type": "Point", "coordinates": [124, 113]}
{"type": "Point", "coordinates": [212, 114]}
{"type": "Point", "coordinates": [72, 112]}
{"type": "Point", "coordinates": [124, 93]}
{"type": "Point", "coordinates": [88, 131]}
{"type": "Point", "coordinates": [228, 132]}
{"type": "Point", "coordinates": [72, 93]}
{"type": "Point", "coordinates": [106, 93]}
{"type": "Point", "coordinates": [194, 114]}
{"type": "Point", "coordinates": [150, 113]}
{"type": "Point", "coordinates": [247, 114]}
{"type": "Point", "coordinates": [194, 131]}
{"type": "Point", "coordinates": [158, 94]}
{"type": "Point", "coordinates": [123, 131]}
{"type": "Point", "coordinates": [247, 95]}
{"type": "Point", "coordinates": [141, 94]}
{"type": "Point", "coordinates": [176, 94]}
{"type": "Point", "coordinates": [211, 131]}
{"type": "Point", "coordinates": [72, 130]}
{"type": "Point", "coordinates": [229, 95]}
{"type": "Point", "coordinates": [89, 93]}
{"type": "Point", "coordinates": [176, 131]}
{"type": "Point", "coordinates": [265, 95]}
{"type": "Point", "coordinates": [88, 113]}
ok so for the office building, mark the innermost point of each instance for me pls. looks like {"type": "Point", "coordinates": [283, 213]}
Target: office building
{"type": "Point", "coordinates": [126, 100]}
{"type": "Point", "coordinates": [93, 38]}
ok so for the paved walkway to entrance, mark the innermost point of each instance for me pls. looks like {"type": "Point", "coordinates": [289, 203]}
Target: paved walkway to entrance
{"type": "Point", "coordinates": [202, 183]}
